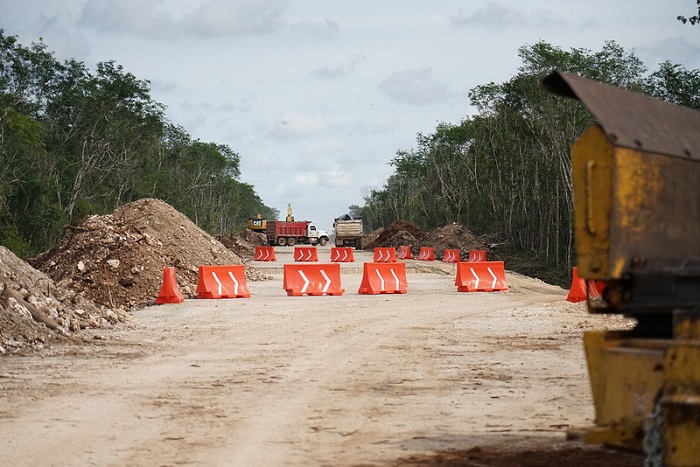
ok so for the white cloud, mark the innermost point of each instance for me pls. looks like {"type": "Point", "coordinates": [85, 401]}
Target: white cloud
{"type": "Point", "coordinates": [415, 87]}
{"type": "Point", "coordinates": [307, 179]}
{"type": "Point", "coordinates": [146, 19]}
{"type": "Point", "coordinates": [320, 27]}
{"type": "Point", "coordinates": [298, 124]}
{"type": "Point", "coordinates": [235, 18]}
{"type": "Point", "coordinates": [212, 18]}
{"type": "Point", "coordinates": [329, 72]}
{"type": "Point", "coordinates": [496, 16]}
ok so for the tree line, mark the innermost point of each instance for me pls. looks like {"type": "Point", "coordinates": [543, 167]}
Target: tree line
{"type": "Point", "coordinates": [506, 171]}
{"type": "Point", "coordinates": [76, 142]}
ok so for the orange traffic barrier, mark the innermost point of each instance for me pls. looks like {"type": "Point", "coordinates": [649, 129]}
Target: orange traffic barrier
{"type": "Point", "coordinates": [342, 255]}
{"type": "Point", "coordinates": [265, 253]}
{"type": "Point", "coordinates": [169, 291]}
{"type": "Point", "coordinates": [404, 253]}
{"type": "Point", "coordinates": [222, 282]}
{"type": "Point", "coordinates": [476, 256]}
{"type": "Point", "coordinates": [426, 253]}
{"type": "Point", "coordinates": [582, 289]}
{"type": "Point", "coordinates": [305, 253]}
{"type": "Point", "coordinates": [484, 276]}
{"type": "Point", "coordinates": [383, 278]}
{"type": "Point", "coordinates": [312, 279]}
{"type": "Point", "coordinates": [384, 255]}
{"type": "Point", "coordinates": [450, 256]}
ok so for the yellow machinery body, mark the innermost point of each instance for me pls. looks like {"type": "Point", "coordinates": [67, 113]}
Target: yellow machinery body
{"type": "Point", "coordinates": [636, 178]}
{"type": "Point", "coordinates": [257, 224]}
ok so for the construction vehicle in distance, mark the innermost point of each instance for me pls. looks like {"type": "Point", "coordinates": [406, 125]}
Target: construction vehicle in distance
{"type": "Point", "coordinates": [257, 224]}
{"type": "Point", "coordinates": [636, 185]}
{"type": "Point", "coordinates": [348, 231]}
{"type": "Point", "coordinates": [290, 232]}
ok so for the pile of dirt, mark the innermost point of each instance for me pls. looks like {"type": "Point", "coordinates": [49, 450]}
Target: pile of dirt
{"type": "Point", "coordinates": [117, 260]}
{"type": "Point", "coordinates": [398, 233]}
{"type": "Point", "coordinates": [453, 236]}
{"type": "Point", "coordinates": [34, 311]}
{"type": "Point", "coordinates": [243, 243]}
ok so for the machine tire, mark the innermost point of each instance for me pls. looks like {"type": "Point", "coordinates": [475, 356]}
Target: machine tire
{"type": "Point", "coordinates": [322, 241]}
{"type": "Point", "coordinates": [291, 241]}
{"type": "Point", "coordinates": [281, 241]}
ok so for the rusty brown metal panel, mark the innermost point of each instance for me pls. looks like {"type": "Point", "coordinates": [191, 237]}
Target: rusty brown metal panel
{"type": "Point", "coordinates": [633, 120]}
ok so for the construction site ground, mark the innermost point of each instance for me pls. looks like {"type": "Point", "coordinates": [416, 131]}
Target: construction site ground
{"type": "Point", "coordinates": [430, 377]}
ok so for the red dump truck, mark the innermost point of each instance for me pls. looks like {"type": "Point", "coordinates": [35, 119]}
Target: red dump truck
{"type": "Point", "coordinates": [290, 233]}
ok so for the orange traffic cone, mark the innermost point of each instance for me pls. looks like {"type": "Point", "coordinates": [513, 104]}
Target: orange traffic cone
{"type": "Point", "coordinates": [169, 291]}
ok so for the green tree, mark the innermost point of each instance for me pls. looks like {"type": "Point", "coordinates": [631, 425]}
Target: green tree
{"type": "Point", "coordinates": [695, 19]}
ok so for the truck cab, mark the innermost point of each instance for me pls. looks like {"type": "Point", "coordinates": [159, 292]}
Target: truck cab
{"type": "Point", "coordinates": [315, 235]}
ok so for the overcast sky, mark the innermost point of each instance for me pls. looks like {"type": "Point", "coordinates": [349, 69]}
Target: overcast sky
{"type": "Point", "coordinates": [317, 96]}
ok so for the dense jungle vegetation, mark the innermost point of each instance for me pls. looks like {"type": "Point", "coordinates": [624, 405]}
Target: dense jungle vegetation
{"type": "Point", "coordinates": [75, 142]}
{"type": "Point", "coordinates": [506, 171]}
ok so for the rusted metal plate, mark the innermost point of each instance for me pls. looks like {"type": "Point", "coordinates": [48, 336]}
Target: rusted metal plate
{"type": "Point", "coordinates": [634, 120]}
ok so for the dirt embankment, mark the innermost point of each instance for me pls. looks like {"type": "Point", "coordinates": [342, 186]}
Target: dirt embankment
{"type": "Point", "coordinates": [453, 237]}
{"type": "Point", "coordinates": [104, 267]}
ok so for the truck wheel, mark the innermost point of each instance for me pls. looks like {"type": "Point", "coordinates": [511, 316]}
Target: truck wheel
{"type": "Point", "coordinates": [281, 241]}
{"type": "Point", "coordinates": [291, 241]}
{"type": "Point", "coordinates": [322, 241]}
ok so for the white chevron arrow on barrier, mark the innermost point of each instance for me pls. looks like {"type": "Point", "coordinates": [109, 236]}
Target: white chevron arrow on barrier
{"type": "Point", "coordinates": [217, 281]}
{"type": "Point", "coordinates": [235, 282]}
{"type": "Point", "coordinates": [495, 279]}
{"type": "Point", "coordinates": [328, 281]}
{"type": "Point", "coordinates": [306, 281]}
{"type": "Point", "coordinates": [380, 277]}
{"type": "Point", "coordinates": [476, 276]}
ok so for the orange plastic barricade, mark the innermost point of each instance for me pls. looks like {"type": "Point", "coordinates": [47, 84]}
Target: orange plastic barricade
{"type": "Point", "coordinates": [450, 256]}
{"type": "Point", "coordinates": [484, 276]}
{"type": "Point", "coordinates": [312, 279]}
{"type": "Point", "coordinates": [404, 253]}
{"type": "Point", "coordinates": [384, 255]}
{"type": "Point", "coordinates": [476, 256]}
{"type": "Point", "coordinates": [222, 282]}
{"type": "Point", "coordinates": [380, 278]}
{"type": "Point", "coordinates": [426, 253]}
{"type": "Point", "coordinates": [305, 253]}
{"type": "Point", "coordinates": [264, 253]}
{"type": "Point", "coordinates": [582, 289]}
{"type": "Point", "coordinates": [342, 255]}
{"type": "Point", "coordinates": [169, 291]}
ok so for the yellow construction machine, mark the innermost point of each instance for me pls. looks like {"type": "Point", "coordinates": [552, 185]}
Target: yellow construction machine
{"type": "Point", "coordinates": [636, 176]}
{"type": "Point", "coordinates": [257, 224]}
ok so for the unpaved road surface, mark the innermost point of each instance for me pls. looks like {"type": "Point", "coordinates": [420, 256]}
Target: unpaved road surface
{"type": "Point", "coordinates": [325, 380]}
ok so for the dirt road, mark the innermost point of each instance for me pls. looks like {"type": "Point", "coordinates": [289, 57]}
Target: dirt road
{"type": "Point", "coordinates": [329, 380]}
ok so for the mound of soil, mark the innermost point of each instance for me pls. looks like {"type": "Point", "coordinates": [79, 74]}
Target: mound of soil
{"type": "Point", "coordinates": [243, 243]}
{"type": "Point", "coordinates": [396, 234]}
{"type": "Point", "coordinates": [453, 236]}
{"type": "Point", "coordinates": [117, 260]}
{"type": "Point", "coordinates": [34, 311]}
